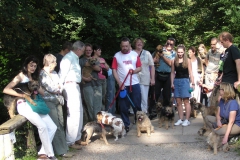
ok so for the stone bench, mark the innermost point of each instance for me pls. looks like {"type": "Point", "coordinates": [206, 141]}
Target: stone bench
{"type": "Point", "coordinates": [7, 136]}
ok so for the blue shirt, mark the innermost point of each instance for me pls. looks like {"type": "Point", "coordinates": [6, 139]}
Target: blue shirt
{"type": "Point", "coordinates": [226, 108]}
{"type": "Point", "coordinates": [164, 67]}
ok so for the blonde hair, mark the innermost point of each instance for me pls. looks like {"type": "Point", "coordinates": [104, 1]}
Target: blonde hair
{"type": "Point", "coordinates": [229, 92]}
{"type": "Point", "coordinates": [135, 41]}
{"type": "Point", "coordinates": [202, 55]}
{"type": "Point", "coordinates": [185, 58]}
{"type": "Point", "coordinates": [49, 59]}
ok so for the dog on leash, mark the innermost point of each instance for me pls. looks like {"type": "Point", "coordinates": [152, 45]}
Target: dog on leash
{"type": "Point", "coordinates": [211, 110]}
{"type": "Point", "coordinates": [87, 69]}
{"type": "Point", "coordinates": [117, 123]}
{"type": "Point", "coordinates": [215, 141]}
{"type": "Point", "coordinates": [93, 127]}
{"type": "Point", "coordinates": [30, 90]}
{"type": "Point", "coordinates": [144, 124]}
{"type": "Point", "coordinates": [193, 102]}
{"type": "Point", "coordinates": [166, 115]}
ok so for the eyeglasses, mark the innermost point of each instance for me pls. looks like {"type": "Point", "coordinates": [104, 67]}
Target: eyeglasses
{"type": "Point", "coordinates": [169, 44]}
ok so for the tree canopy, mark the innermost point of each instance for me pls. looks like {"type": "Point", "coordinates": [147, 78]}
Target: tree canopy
{"type": "Point", "coordinates": [39, 27]}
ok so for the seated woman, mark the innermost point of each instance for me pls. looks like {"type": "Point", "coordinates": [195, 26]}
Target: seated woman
{"type": "Point", "coordinates": [49, 81]}
{"type": "Point", "coordinates": [228, 109]}
{"type": "Point", "coordinates": [45, 125]}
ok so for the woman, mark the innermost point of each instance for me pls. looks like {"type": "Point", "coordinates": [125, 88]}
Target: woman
{"type": "Point", "coordinates": [229, 110]}
{"type": "Point", "coordinates": [147, 74]}
{"type": "Point", "coordinates": [180, 83]}
{"type": "Point", "coordinates": [198, 72]}
{"type": "Point", "coordinates": [45, 125]}
{"type": "Point", "coordinates": [49, 81]}
{"type": "Point", "coordinates": [102, 75]}
{"type": "Point", "coordinates": [202, 54]}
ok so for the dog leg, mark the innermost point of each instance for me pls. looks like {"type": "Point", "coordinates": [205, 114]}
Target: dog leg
{"type": "Point", "coordinates": [148, 131]}
{"type": "Point", "coordinates": [11, 109]}
{"type": "Point", "coordinates": [138, 132]}
{"type": "Point", "coordinates": [104, 136]}
{"type": "Point", "coordinates": [215, 145]}
{"type": "Point", "coordinates": [152, 129]}
{"type": "Point", "coordinates": [29, 99]}
{"type": "Point", "coordinates": [166, 124]}
{"type": "Point", "coordinates": [116, 136]}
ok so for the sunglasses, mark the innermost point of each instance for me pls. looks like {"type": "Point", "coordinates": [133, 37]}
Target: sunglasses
{"type": "Point", "coordinates": [169, 44]}
{"type": "Point", "coordinates": [160, 51]}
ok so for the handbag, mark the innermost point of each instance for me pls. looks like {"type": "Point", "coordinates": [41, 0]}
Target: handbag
{"type": "Point", "coordinates": [41, 107]}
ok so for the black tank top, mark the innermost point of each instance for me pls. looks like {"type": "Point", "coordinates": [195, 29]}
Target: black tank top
{"type": "Point", "coordinates": [181, 72]}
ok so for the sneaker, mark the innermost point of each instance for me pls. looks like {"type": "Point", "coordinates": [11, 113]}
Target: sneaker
{"type": "Point", "coordinates": [53, 158]}
{"type": "Point", "coordinates": [178, 122]}
{"type": "Point", "coordinates": [127, 129]}
{"type": "Point", "coordinates": [185, 123]}
{"type": "Point", "coordinates": [67, 155]}
{"type": "Point", "coordinates": [75, 146]}
{"type": "Point", "coordinates": [42, 157]}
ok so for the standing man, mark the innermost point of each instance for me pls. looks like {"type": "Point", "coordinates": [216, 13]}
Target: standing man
{"type": "Point", "coordinates": [126, 61]}
{"type": "Point", "coordinates": [70, 76]}
{"type": "Point", "coordinates": [66, 47]}
{"type": "Point", "coordinates": [212, 62]}
{"type": "Point", "coordinates": [92, 89]}
{"type": "Point", "coordinates": [163, 75]}
{"type": "Point", "coordinates": [231, 60]}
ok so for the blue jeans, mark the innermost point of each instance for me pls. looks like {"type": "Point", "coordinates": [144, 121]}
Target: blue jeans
{"type": "Point", "coordinates": [124, 103]}
{"type": "Point", "coordinates": [110, 95]}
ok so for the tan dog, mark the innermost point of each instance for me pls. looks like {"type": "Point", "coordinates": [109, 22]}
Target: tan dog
{"type": "Point", "coordinates": [88, 68]}
{"type": "Point", "coordinates": [215, 141]}
{"type": "Point", "coordinates": [204, 132]}
{"type": "Point", "coordinates": [30, 90]}
{"type": "Point", "coordinates": [166, 115]}
{"type": "Point", "coordinates": [143, 124]}
{"type": "Point", "coordinates": [193, 102]}
{"type": "Point", "coordinates": [212, 110]}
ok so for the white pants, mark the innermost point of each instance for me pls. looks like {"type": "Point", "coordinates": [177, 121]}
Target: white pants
{"type": "Point", "coordinates": [45, 125]}
{"type": "Point", "coordinates": [72, 95]}
{"type": "Point", "coordinates": [144, 96]}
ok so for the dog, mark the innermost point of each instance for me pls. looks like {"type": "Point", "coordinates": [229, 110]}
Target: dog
{"type": "Point", "coordinates": [212, 110]}
{"type": "Point", "coordinates": [117, 123]}
{"type": "Point", "coordinates": [87, 69]}
{"type": "Point", "coordinates": [143, 124]}
{"type": "Point", "coordinates": [215, 141]}
{"type": "Point", "coordinates": [158, 51]}
{"type": "Point", "coordinates": [166, 115]}
{"type": "Point", "coordinates": [30, 90]}
{"type": "Point", "coordinates": [204, 132]}
{"type": "Point", "coordinates": [193, 102]}
{"type": "Point", "coordinates": [93, 127]}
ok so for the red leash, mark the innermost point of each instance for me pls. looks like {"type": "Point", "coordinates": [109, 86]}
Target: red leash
{"type": "Point", "coordinates": [129, 72]}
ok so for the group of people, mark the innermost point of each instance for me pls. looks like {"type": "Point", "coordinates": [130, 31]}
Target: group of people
{"type": "Point", "coordinates": [142, 79]}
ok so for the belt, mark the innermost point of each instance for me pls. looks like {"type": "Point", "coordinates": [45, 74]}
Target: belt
{"type": "Point", "coordinates": [20, 101]}
{"type": "Point", "coordinates": [72, 82]}
{"type": "Point", "coordinates": [164, 73]}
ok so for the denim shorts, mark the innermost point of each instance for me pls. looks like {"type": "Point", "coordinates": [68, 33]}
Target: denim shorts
{"type": "Point", "coordinates": [181, 88]}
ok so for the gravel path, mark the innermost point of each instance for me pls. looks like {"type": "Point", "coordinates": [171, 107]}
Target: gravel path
{"type": "Point", "coordinates": [178, 151]}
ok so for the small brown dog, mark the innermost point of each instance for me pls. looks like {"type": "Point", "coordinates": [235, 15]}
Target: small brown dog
{"type": "Point", "coordinates": [215, 141]}
{"type": "Point", "coordinates": [30, 90]}
{"type": "Point", "coordinates": [88, 69]}
{"type": "Point", "coordinates": [158, 51]}
{"type": "Point", "coordinates": [204, 132]}
{"type": "Point", "coordinates": [166, 115]}
{"type": "Point", "coordinates": [212, 110]}
{"type": "Point", "coordinates": [93, 127]}
{"type": "Point", "coordinates": [193, 102]}
{"type": "Point", "coordinates": [143, 124]}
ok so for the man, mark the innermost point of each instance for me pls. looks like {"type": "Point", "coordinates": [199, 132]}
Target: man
{"type": "Point", "coordinates": [66, 47]}
{"type": "Point", "coordinates": [92, 90]}
{"type": "Point", "coordinates": [212, 62]}
{"type": "Point", "coordinates": [231, 66]}
{"type": "Point", "coordinates": [124, 62]}
{"type": "Point", "coordinates": [163, 75]}
{"type": "Point", "coordinates": [70, 76]}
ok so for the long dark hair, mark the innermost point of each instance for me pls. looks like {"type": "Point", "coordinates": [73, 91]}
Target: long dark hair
{"type": "Point", "coordinates": [25, 65]}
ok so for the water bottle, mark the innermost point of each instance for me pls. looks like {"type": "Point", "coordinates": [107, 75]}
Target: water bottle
{"type": "Point", "coordinates": [190, 90]}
